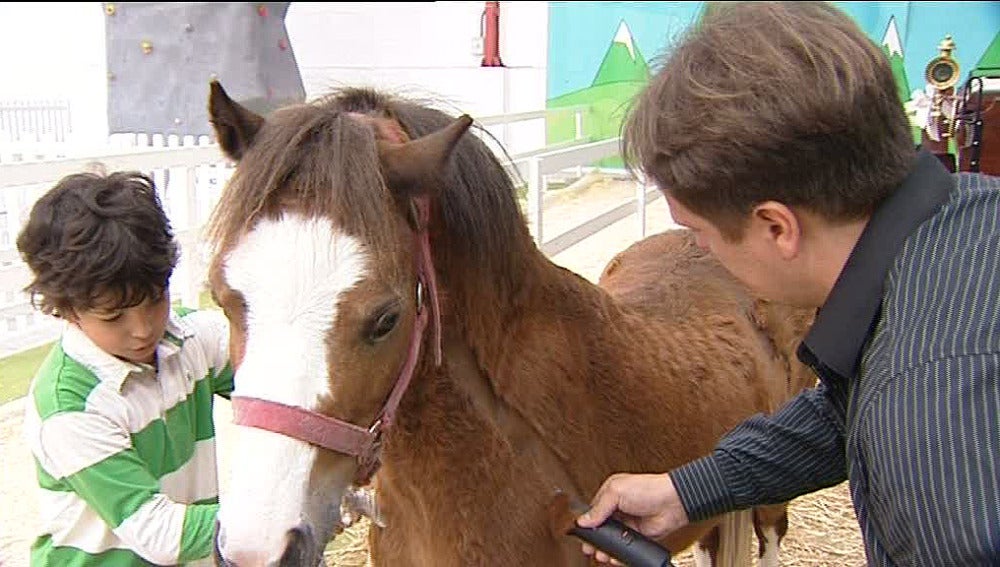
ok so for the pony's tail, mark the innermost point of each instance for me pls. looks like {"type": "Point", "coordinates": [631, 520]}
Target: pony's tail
{"type": "Point", "coordinates": [734, 543]}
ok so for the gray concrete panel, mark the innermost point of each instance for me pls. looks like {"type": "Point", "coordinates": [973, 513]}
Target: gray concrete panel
{"type": "Point", "coordinates": [161, 57]}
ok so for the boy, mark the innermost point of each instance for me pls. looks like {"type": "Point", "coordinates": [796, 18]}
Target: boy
{"type": "Point", "coordinates": [119, 415]}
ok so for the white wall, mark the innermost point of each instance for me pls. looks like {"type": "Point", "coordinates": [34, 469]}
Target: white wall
{"type": "Point", "coordinates": [427, 50]}
{"type": "Point", "coordinates": [56, 50]}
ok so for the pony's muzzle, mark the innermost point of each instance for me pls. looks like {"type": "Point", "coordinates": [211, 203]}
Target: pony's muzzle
{"type": "Point", "coordinates": [301, 550]}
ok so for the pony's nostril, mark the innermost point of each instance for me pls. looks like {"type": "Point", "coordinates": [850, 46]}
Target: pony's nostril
{"type": "Point", "coordinates": [301, 549]}
{"type": "Point", "coordinates": [235, 558]}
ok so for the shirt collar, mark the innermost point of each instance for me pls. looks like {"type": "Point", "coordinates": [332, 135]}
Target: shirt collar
{"type": "Point", "coordinates": [107, 368]}
{"type": "Point", "coordinates": [844, 323]}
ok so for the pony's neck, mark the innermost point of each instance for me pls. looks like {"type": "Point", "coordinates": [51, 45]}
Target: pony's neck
{"type": "Point", "coordinates": [544, 315]}
{"type": "Point", "coordinates": [538, 334]}
{"type": "Point", "coordinates": [483, 288]}
{"type": "Point", "coordinates": [519, 430]}
{"type": "Point", "coordinates": [533, 349]}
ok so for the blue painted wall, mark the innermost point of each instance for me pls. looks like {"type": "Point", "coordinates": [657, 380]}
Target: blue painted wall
{"type": "Point", "coordinates": [580, 33]}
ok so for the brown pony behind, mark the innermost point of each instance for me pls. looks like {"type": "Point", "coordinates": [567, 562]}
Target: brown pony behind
{"type": "Point", "coordinates": [549, 381]}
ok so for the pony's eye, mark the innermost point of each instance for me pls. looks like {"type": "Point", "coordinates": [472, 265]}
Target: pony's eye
{"type": "Point", "coordinates": [383, 323]}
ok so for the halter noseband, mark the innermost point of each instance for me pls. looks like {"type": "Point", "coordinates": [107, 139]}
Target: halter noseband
{"type": "Point", "coordinates": [338, 435]}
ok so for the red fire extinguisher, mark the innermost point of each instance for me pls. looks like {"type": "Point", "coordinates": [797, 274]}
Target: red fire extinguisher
{"type": "Point", "coordinates": [491, 48]}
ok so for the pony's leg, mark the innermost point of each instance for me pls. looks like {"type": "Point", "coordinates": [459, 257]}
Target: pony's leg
{"type": "Point", "coordinates": [770, 523]}
{"type": "Point", "coordinates": [728, 544]}
{"type": "Point", "coordinates": [706, 548]}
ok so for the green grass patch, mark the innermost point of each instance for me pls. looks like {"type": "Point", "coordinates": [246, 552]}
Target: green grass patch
{"type": "Point", "coordinates": [18, 370]}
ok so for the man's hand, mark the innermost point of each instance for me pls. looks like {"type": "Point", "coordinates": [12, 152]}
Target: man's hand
{"type": "Point", "coordinates": [647, 503]}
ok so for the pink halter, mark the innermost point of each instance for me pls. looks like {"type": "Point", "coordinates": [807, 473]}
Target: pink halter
{"type": "Point", "coordinates": [340, 436]}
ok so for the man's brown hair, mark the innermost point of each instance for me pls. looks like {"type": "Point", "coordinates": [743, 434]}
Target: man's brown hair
{"type": "Point", "coordinates": [772, 101]}
{"type": "Point", "coordinates": [92, 235]}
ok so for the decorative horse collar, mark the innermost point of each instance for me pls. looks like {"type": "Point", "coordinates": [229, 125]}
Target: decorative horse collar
{"type": "Point", "coordinates": [338, 435]}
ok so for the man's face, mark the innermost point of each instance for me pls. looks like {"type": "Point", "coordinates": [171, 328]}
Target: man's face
{"type": "Point", "coordinates": [130, 334]}
{"type": "Point", "coordinates": [755, 259]}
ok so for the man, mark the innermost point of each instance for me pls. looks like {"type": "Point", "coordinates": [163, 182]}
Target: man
{"type": "Point", "coordinates": [777, 136]}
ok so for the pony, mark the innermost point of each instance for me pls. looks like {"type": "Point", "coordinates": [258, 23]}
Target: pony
{"type": "Point", "coordinates": [393, 324]}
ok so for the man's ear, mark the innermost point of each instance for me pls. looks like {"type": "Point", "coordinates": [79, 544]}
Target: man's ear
{"type": "Point", "coordinates": [779, 226]}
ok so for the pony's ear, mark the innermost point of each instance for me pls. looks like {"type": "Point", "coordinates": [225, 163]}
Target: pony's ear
{"type": "Point", "coordinates": [235, 126]}
{"type": "Point", "coordinates": [412, 168]}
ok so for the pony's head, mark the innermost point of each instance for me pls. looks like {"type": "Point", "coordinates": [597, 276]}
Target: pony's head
{"type": "Point", "coordinates": [322, 265]}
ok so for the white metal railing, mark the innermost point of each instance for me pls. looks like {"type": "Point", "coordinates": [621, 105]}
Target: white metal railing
{"type": "Point", "coordinates": [142, 159]}
{"type": "Point", "coordinates": [546, 163]}
{"type": "Point", "coordinates": [35, 121]}
{"type": "Point", "coordinates": [504, 119]}
{"type": "Point", "coordinates": [586, 229]}
{"type": "Point", "coordinates": [190, 174]}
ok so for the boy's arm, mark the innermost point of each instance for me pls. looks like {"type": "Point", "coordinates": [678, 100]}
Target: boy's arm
{"type": "Point", "coordinates": [92, 456]}
{"type": "Point", "coordinates": [214, 327]}
{"type": "Point", "coordinates": [222, 380]}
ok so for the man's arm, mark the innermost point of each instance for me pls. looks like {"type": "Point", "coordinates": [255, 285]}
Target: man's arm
{"type": "Point", "coordinates": [764, 460]}
{"type": "Point", "coordinates": [770, 459]}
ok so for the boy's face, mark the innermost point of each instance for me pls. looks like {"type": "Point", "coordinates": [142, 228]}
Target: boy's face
{"type": "Point", "coordinates": [130, 334]}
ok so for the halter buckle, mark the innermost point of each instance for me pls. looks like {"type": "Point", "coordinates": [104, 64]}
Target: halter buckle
{"type": "Point", "coordinates": [420, 295]}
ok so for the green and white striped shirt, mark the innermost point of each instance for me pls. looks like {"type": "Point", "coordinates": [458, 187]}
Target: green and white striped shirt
{"type": "Point", "coordinates": [125, 453]}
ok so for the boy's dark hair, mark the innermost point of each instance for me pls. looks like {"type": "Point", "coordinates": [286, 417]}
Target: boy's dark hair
{"type": "Point", "coordinates": [92, 235]}
{"type": "Point", "coordinates": [780, 101]}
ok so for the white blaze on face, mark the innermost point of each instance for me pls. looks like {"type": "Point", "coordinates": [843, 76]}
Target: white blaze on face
{"type": "Point", "coordinates": [292, 274]}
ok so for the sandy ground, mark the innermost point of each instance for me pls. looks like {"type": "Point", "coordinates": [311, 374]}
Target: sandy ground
{"type": "Point", "coordinates": [822, 529]}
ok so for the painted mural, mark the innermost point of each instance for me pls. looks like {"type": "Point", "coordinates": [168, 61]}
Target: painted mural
{"type": "Point", "coordinates": [602, 53]}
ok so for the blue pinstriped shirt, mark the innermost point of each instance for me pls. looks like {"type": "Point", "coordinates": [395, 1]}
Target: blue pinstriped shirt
{"type": "Point", "coordinates": [907, 349]}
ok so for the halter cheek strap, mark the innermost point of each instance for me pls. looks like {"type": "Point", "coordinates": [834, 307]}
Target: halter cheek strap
{"type": "Point", "coordinates": [340, 436]}
{"type": "Point", "coordinates": [425, 270]}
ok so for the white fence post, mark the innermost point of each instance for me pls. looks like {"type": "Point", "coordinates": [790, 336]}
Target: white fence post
{"type": "Point", "coordinates": [640, 206]}
{"type": "Point", "coordinates": [578, 135]}
{"type": "Point", "coordinates": [536, 184]}
{"type": "Point", "coordinates": [191, 257]}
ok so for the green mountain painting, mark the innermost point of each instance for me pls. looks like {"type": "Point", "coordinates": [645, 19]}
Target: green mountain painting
{"type": "Point", "coordinates": [989, 63]}
{"type": "Point", "coordinates": [893, 49]}
{"type": "Point", "coordinates": [623, 62]}
{"type": "Point", "coordinates": [621, 75]}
